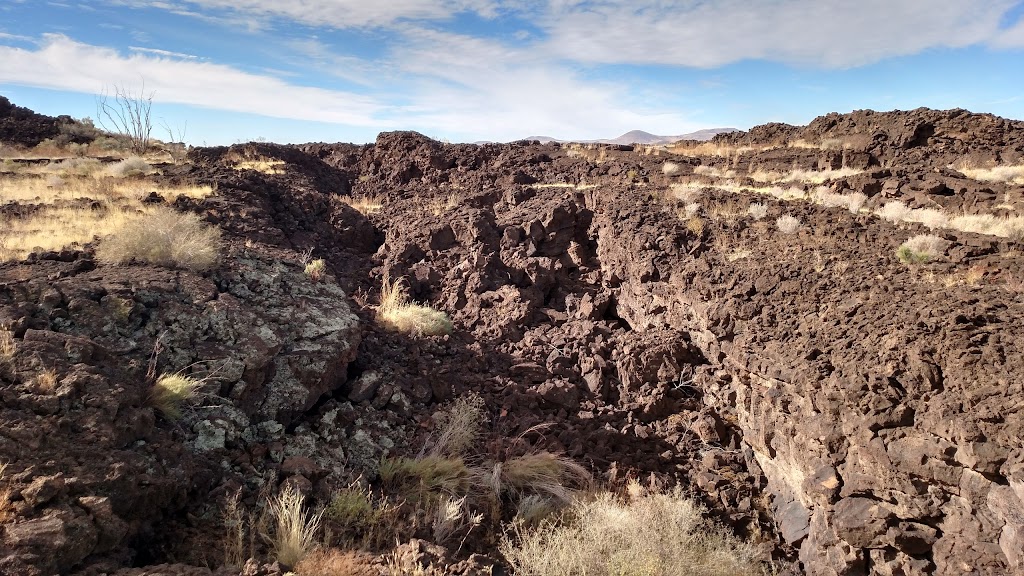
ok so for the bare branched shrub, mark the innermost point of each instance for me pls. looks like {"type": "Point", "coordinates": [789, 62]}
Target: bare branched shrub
{"type": "Point", "coordinates": [164, 237]}
{"type": "Point", "coordinates": [458, 426]}
{"type": "Point", "coordinates": [652, 534]}
{"type": "Point", "coordinates": [397, 313]}
{"type": "Point", "coordinates": [128, 113]}
{"type": "Point", "coordinates": [787, 224]}
{"type": "Point", "coordinates": [294, 530]}
{"type": "Point", "coordinates": [921, 249]}
{"type": "Point", "coordinates": [757, 211]}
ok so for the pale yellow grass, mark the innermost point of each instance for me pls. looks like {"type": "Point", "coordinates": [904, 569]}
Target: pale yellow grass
{"type": "Point", "coordinates": [29, 190]}
{"type": "Point", "coordinates": [651, 534]}
{"type": "Point", "coordinates": [803, 176]}
{"type": "Point", "coordinates": [367, 205]}
{"type": "Point", "coordinates": [262, 165]}
{"type": "Point", "coordinates": [716, 149]}
{"type": "Point", "coordinates": [396, 312]}
{"type": "Point", "coordinates": [1011, 174]}
{"type": "Point", "coordinates": [57, 228]}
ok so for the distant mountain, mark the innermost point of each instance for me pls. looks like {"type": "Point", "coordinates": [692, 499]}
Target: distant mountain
{"type": "Point", "coordinates": [641, 137]}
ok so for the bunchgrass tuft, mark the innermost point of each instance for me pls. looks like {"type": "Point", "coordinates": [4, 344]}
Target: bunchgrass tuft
{"type": "Point", "coordinates": [921, 249]}
{"type": "Point", "coordinates": [170, 391]}
{"type": "Point", "coordinates": [164, 237]}
{"type": "Point", "coordinates": [397, 313]}
{"type": "Point", "coordinates": [295, 531]}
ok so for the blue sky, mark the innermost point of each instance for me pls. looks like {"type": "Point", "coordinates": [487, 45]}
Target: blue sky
{"type": "Point", "coordinates": [467, 70]}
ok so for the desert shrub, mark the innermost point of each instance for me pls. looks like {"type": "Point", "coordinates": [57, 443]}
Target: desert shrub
{"type": "Point", "coordinates": [787, 224]}
{"type": "Point", "coordinates": [164, 237]}
{"type": "Point", "coordinates": [458, 426]}
{"type": "Point", "coordinates": [397, 313]}
{"type": "Point", "coordinates": [1012, 174]}
{"type": "Point", "coordinates": [920, 249]}
{"type": "Point", "coordinates": [295, 531]}
{"type": "Point", "coordinates": [757, 211]}
{"type": "Point", "coordinates": [652, 534]}
{"type": "Point", "coordinates": [131, 167]}
{"type": "Point", "coordinates": [671, 169]}
{"type": "Point", "coordinates": [170, 391]}
{"type": "Point", "coordinates": [856, 201]}
{"type": "Point", "coordinates": [336, 563]}
{"type": "Point", "coordinates": [316, 269]}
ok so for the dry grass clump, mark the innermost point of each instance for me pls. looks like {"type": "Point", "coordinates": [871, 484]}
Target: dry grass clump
{"type": "Point", "coordinates": [757, 211]}
{"type": "Point", "coordinates": [6, 511]}
{"type": "Point", "coordinates": [542, 473]}
{"type": "Point", "coordinates": [894, 211]}
{"type": "Point", "coordinates": [853, 201]}
{"type": "Point", "coordinates": [75, 167]}
{"type": "Point", "coordinates": [715, 149]}
{"type": "Point", "coordinates": [651, 534]}
{"type": "Point", "coordinates": [453, 517]}
{"type": "Point", "coordinates": [46, 381]}
{"type": "Point", "coordinates": [170, 391]}
{"type": "Point", "coordinates": [787, 224]}
{"type": "Point", "coordinates": [397, 313]}
{"type": "Point", "coordinates": [164, 237]}
{"type": "Point", "coordinates": [803, 176]}
{"type": "Point", "coordinates": [131, 167]}
{"type": "Point", "coordinates": [294, 531]}
{"type": "Point", "coordinates": [714, 172]}
{"type": "Point", "coordinates": [336, 563]}
{"type": "Point", "coordinates": [52, 189]}
{"type": "Point", "coordinates": [921, 249]}
{"type": "Point", "coordinates": [368, 204]}
{"type": "Point", "coordinates": [259, 164]}
{"type": "Point", "coordinates": [1012, 174]}
{"type": "Point", "coordinates": [7, 345]}
{"type": "Point", "coordinates": [671, 169]}
{"type": "Point", "coordinates": [458, 426]}
{"type": "Point", "coordinates": [1011, 227]}
{"type": "Point", "coordinates": [316, 269]}
{"type": "Point", "coordinates": [420, 479]}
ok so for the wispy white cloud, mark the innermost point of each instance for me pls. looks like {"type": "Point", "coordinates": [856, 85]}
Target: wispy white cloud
{"type": "Point", "coordinates": [164, 53]}
{"type": "Point", "coordinates": [479, 86]}
{"type": "Point", "coordinates": [826, 33]}
{"type": "Point", "coordinates": [63, 64]}
{"type": "Point", "coordinates": [333, 13]}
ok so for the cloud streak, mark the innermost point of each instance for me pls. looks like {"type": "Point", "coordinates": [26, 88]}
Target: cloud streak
{"type": "Point", "coordinates": [63, 64]}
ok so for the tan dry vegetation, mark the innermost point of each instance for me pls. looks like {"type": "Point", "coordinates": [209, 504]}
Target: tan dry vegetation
{"type": "Point", "coordinates": [170, 391]}
{"type": "Point", "coordinates": [7, 345]}
{"type": "Point", "coordinates": [335, 562]}
{"type": "Point", "coordinates": [6, 510]}
{"type": "Point", "coordinates": [396, 312]}
{"type": "Point", "coordinates": [367, 205]}
{"type": "Point", "coordinates": [715, 149]}
{"type": "Point", "coordinates": [295, 531]}
{"type": "Point", "coordinates": [648, 534]}
{"type": "Point", "coordinates": [164, 237]}
{"type": "Point", "coordinates": [802, 176]}
{"type": "Point", "coordinates": [61, 220]}
{"type": "Point", "coordinates": [1008, 174]}
{"type": "Point", "coordinates": [1011, 227]}
{"type": "Point", "coordinates": [46, 381]}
